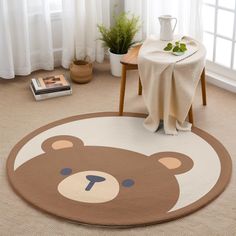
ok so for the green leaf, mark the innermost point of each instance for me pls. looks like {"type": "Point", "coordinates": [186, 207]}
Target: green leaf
{"type": "Point", "coordinates": [183, 47]}
{"type": "Point", "coordinates": [176, 49]}
{"type": "Point", "coordinates": [168, 47]}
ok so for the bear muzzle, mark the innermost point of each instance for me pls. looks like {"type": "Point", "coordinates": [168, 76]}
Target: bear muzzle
{"type": "Point", "coordinates": [89, 187]}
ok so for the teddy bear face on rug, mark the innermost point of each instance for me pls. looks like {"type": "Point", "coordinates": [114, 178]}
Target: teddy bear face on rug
{"type": "Point", "coordinates": [100, 181]}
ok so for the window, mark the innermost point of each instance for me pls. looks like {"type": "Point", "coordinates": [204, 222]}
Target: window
{"type": "Point", "coordinates": [34, 7]}
{"type": "Point", "coordinates": [55, 5]}
{"type": "Point", "coordinates": [219, 22]}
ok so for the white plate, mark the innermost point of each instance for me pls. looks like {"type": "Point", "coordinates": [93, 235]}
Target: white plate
{"type": "Point", "coordinates": [178, 53]}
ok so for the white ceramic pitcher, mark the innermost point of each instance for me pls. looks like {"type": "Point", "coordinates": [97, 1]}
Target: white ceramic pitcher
{"type": "Point", "coordinates": [167, 32]}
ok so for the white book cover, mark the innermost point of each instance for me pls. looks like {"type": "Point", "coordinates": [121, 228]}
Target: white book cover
{"type": "Point", "coordinates": [50, 95]}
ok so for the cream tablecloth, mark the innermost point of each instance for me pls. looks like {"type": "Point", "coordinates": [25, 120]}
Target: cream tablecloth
{"type": "Point", "coordinates": [169, 82]}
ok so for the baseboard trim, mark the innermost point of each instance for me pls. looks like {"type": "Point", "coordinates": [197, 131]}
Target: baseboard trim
{"type": "Point", "coordinates": [220, 81]}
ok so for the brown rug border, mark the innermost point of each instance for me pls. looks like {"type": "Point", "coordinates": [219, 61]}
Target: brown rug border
{"type": "Point", "coordinates": [224, 157]}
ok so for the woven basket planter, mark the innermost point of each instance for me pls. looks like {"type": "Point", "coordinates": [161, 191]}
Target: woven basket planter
{"type": "Point", "coordinates": [81, 71]}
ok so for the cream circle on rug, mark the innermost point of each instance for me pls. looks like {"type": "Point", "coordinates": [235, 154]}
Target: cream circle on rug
{"type": "Point", "coordinates": [108, 170]}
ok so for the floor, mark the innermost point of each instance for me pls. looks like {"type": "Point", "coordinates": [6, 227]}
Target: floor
{"type": "Point", "coordinates": [20, 114]}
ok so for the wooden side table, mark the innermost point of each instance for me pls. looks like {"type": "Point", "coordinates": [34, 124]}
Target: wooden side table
{"type": "Point", "coordinates": [129, 62]}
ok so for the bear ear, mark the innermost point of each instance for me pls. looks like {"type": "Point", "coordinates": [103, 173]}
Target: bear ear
{"type": "Point", "coordinates": [176, 162]}
{"type": "Point", "coordinates": [61, 142]}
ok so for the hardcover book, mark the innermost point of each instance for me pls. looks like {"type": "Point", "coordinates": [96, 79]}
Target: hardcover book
{"type": "Point", "coordinates": [44, 96]}
{"type": "Point", "coordinates": [49, 87]}
{"type": "Point", "coordinates": [51, 83]}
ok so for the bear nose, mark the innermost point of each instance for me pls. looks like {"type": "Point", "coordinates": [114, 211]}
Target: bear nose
{"type": "Point", "coordinates": [93, 179]}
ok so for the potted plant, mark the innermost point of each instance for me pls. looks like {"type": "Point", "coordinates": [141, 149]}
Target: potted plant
{"type": "Point", "coordinates": [119, 38]}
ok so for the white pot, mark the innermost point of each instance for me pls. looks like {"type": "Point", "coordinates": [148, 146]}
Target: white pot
{"type": "Point", "coordinates": [116, 67]}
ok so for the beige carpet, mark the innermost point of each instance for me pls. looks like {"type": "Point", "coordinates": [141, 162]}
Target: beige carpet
{"type": "Point", "coordinates": [20, 114]}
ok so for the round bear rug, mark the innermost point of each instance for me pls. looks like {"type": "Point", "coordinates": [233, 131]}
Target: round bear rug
{"type": "Point", "coordinates": [107, 170]}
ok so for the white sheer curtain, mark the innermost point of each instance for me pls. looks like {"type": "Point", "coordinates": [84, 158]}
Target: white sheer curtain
{"type": "Point", "coordinates": [25, 37]}
{"type": "Point", "coordinates": [80, 34]}
{"type": "Point", "coordinates": [188, 13]}
{"type": "Point", "coordinates": [26, 34]}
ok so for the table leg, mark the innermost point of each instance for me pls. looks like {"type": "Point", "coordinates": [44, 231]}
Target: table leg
{"type": "Point", "coordinates": [122, 90]}
{"type": "Point", "coordinates": [203, 83]}
{"type": "Point", "coordinates": [139, 87]}
{"type": "Point", "coordinates": [190, 115]}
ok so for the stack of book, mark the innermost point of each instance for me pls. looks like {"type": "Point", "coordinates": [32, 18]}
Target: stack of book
{"type": "Point", "coordinates": [49, 87]}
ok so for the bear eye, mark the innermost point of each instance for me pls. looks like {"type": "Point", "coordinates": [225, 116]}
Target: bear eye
{"type": "Point", "coordinates": [128, 183]}
{"type": "Point", "coordinates": [66, 171]}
